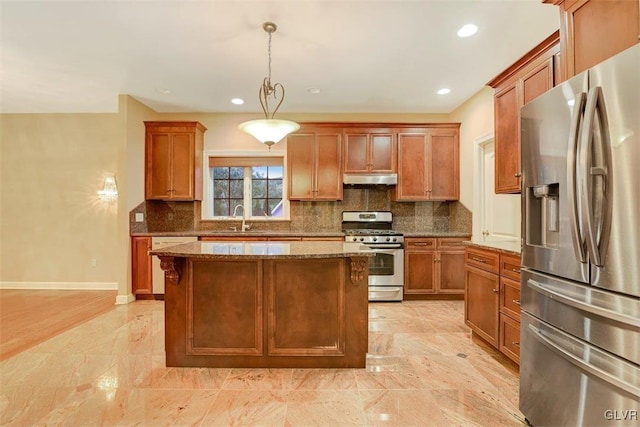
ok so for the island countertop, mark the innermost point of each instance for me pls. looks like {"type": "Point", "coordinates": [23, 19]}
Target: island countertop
{"type": "Point", "coordinates": [259, 250]}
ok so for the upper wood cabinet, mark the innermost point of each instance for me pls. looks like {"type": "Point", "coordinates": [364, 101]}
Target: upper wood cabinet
{"type": "Point", "coordinates": [173, 160]}
{"type": "Point", "coordinates": [369, 150]}
{"type": "Point", "coordinates": [594, 30]}
{"type": "Point", "coordinates": [531, 76]}
{"type": "Point", "coordinates": [314, 164]}
{"type": "Point", "coordinates": [428, 163]}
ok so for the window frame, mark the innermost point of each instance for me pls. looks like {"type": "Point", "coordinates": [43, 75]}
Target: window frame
{"type": "Point", "coordinates": [207, 177]}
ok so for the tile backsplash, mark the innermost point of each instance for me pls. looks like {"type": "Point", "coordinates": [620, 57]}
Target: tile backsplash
{"type": "Point", "coordinates": [162, 216]}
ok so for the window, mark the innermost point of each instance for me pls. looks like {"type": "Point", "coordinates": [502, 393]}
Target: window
{"type": "Point", "coordinates": [239, 183]}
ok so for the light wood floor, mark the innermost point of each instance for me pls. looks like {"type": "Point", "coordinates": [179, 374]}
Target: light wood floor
{"type": "Point", "coordinates": [29, 317]}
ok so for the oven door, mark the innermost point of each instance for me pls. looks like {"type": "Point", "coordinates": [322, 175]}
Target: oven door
{"type": "Point", "coordinates": [386, 271]}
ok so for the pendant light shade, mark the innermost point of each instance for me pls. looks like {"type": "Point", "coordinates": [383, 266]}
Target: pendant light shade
{"type": "Point", "coordinates": [269, 131]}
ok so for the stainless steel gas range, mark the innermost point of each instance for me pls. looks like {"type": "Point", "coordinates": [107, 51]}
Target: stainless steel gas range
{"type": "Point", "coordinates": [372, 232]}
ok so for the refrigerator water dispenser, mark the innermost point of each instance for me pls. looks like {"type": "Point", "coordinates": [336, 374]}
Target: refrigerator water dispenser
{"type": "Point", "coordinates": [543, 215]}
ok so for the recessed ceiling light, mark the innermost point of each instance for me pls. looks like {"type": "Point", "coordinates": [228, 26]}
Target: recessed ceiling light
{"type": "Point", "coordinates": [163, 90]}
{"type": "Point", "coordinates": [443, 91]}
{"type": "Point", "coordinates": [467, 30]}
{"type": "Point", "coordinates": [237, 101]}
{"type": "Point", "coordinates": [313, 90]}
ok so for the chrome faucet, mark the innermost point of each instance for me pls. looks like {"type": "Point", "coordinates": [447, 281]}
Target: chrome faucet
{"type": "Point", "coordinates": [245, 226]}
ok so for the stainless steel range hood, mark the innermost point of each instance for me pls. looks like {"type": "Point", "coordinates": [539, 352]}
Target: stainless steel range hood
{"type": "Point", "coordinates": [371, 179]}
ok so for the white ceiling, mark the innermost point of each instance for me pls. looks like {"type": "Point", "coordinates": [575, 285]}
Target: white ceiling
{"type": "Point", "coordinates": [370, 56]}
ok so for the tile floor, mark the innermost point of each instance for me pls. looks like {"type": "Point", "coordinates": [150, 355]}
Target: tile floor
{"type": "Point", "coordinates": [423, 369]}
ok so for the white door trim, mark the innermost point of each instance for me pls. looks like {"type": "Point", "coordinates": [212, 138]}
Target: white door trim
{"type": "Point", "coordinates": [478, 199]}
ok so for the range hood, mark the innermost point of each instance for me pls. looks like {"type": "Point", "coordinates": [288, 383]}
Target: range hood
{"type": "Point", "coordinates": [371, 179]}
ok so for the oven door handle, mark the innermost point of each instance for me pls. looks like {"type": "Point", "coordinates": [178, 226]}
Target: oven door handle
{"type": "Point", "coordinates": [379, 251]}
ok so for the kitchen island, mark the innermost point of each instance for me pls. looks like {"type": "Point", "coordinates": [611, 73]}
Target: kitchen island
{"type": "Point", "coordinates": [265, 304]}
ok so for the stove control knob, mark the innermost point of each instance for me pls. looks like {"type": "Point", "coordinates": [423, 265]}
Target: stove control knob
{"type": "Point", "coordinates": [375, 239]}
{"type": "Point", "coordinates": [355, 239]}
{"type": "Point", "coordinates": [389, 239]}
{"type": "Point", "coordinates": [394, 239]}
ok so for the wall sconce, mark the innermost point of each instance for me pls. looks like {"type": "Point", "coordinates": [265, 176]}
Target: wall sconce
{"type": "Point", "coordinates": [109, 192]}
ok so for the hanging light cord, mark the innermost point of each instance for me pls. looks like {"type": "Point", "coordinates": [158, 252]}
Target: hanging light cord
{"type": "Point", "coordinates": [267, 90]}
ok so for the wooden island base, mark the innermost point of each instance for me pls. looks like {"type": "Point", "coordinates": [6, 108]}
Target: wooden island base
{"type": "Point", "coordinates": [272, 313]}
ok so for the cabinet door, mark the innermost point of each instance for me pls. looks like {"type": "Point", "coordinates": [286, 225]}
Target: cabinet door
{"type": "Point", "coordinates": [329, 166]}
{"type": "Point", "coordinates": [141, 266]}
{"type": "Point", "coordinates": [481, 303]}
{"type": "Point", "coordinates": [182, 167]}
{"type": "Point", "coordinates": [301, 163]}
{"type": "Point", "coordinates": [420, 272]}
{"type": "Point", "coordinates": [412, 173]}
{"type": "Point", "coordinates": [356, 152]}
{"type": "Point", "coordinates": [507, 140]}
{"type": "Point", "coordinates": [451, 272]}
{"type": "Point", "coordinates": [537, 81]}
{"type": "Point", "coordinates": [382, 149]}
{"type": "Point", "coordinates": [445, 160]}
{"type": "Point", "coordinates": [158, 157]}
{"type": "Point", "coordinates": [597, 30]}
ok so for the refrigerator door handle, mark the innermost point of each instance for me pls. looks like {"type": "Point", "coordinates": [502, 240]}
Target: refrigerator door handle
{"type": "Point", "coordinates": [582, 364]}
{"type": "Point", "coordinates": [597, 235]}
{"type": "Point", "coordinates": [582, 305]}
{"type": "Point", "coordinates": [572, 189]}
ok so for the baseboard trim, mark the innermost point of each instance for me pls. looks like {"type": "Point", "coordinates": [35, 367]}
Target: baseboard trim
{"type": "Point", "coordinates": [125, 299]}
{"type": "Point", "coordinates": [94, 286]}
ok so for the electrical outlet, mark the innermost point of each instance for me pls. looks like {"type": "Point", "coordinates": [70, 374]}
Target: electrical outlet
{"type": "Point", "coordinates": [94, 262]}
{"type": "Point", "coordinates": [139, 217]}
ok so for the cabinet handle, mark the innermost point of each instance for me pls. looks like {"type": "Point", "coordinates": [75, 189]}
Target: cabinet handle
{"type": "Point", "coordinates": [479, 260]}
{"type": "Point", "coordinates": [516, 343]}
{"type": "Point", "coordinates": [515, 301]}
{"type": "Point", "coordinates": [517, 174]}
{"type": "Point", "coordinates": [515, 270]}
{"type": "Point", "coordinates": [495, 291]}
{"type": "Point", "coordinates": [421, 244]}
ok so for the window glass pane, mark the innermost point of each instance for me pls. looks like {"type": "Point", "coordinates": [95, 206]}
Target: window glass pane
{"type": "Point", "coordinates": [220, 189]}
{"type": "Point", "coordinates": [260, 207]}
{"type": "Point", "coordinates": [237, 173]}
{"type": "Point", "coordinates": [275, 188]}
{"type": "Point", "coordinates": [221, 207]}
{"type": "Point", "coordinates": [259, 188]}
{"type": "Point", "coordinates": [236, 188]}
{"type": "Point", "coordinates": [220, 172]}
{"type": "Point", "coordinates": [259, 172]}
{"type": "Point", "coordinates": [275, 172]}
{"type": "Point", "coordinates": [276, 207]}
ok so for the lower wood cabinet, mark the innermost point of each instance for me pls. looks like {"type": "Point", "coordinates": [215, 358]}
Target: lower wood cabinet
{"type": "Point", "coordinates": [492, 299]}
{"type": "Point", "coordinates": [434, 267]}
{"type": "Point", "coordinates": [141, 284]}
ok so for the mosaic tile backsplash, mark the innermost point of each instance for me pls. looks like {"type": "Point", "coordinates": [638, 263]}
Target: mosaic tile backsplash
{"type": "Point", "coordinates": [313, 216]}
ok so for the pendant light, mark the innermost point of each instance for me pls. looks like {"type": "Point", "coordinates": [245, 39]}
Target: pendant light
{"type": "Point", "coordinates": [269, 131]}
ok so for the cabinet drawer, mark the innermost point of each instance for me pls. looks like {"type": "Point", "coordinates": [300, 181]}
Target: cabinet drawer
{"type": "Point", "coordinates": [510, 338]}
{"type": "Point", "coordinates": [484, 260]}
{"type": "Point", "coordinates": [240, 238]}
{"type": "Point", "coordinates": [510, 266]}
{"type": "Point", "coordinates": [452, 242]}
{"type": "Point", "coordinates": [510, 297]}
{"type": "Point", "coordinates": [419, 244]}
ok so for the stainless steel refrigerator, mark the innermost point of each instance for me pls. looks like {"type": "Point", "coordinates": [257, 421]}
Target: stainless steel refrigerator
{"type": "Point", "coordinates": [580, 288]}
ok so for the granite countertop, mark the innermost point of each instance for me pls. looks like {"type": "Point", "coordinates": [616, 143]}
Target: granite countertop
{"type": "Point", "coordinates": [511, 247]}
{"type": "Point", "coordinates": [222, 233]}
{"type": "Point", "coordinates": [259, 250]}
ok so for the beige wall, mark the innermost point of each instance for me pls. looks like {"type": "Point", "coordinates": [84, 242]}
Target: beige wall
{"type": "Point", "coordinates": [476, 116]}
{"type": "Point", "coordinates": [52, 223]}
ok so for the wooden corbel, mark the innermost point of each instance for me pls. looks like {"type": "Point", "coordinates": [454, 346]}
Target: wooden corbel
{"type": "Point", "coordinates": [358, 268]}
{"type": "Point", "coordinates": [170, 267]}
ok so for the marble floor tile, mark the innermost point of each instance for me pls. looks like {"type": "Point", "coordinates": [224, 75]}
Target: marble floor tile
{"type": "Point", "coordinates": [424, 368]}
